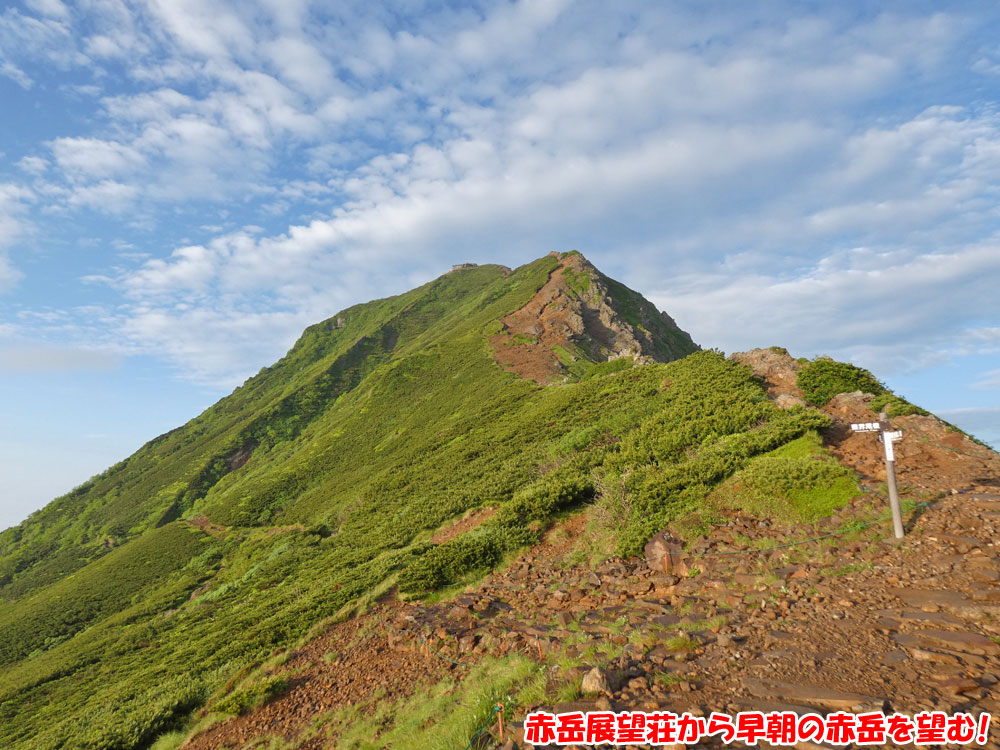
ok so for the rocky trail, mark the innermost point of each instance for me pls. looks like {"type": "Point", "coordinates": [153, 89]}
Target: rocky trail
{"type": "Point", "coordinates": [846, 622]}
{"type": "Point", "coordinates": [850, 621]}
{"type": "Point", "coordinates": [754, 615]}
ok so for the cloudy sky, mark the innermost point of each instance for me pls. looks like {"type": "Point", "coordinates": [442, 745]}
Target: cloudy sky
{"type": "Point", "coordinates": [186, 184]}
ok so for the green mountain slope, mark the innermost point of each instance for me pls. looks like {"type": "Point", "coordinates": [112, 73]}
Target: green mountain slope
{"type": "Point", "coordinates": [137, 597]}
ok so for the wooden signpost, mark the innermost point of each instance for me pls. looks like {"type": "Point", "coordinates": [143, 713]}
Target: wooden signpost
{"type": "Point", "coordinates": [887, 436]}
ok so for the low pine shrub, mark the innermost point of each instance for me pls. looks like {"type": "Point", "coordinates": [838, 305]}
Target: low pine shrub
{"type": "Point", "coordinates": [895, 406]}
{"type": "Point", "coordinates": [542, 499]}
{"type": "Point", "coordinates": [447, 563]}
{"type": "Point", "coordinates": [823, 378]}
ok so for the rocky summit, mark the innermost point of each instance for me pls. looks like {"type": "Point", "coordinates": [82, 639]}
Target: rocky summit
{"type": "Point", "coordinates": [502, 492]}
{"type": "Point", "coordinates": [581, 314]}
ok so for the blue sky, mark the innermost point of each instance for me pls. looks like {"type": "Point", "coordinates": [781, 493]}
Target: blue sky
{"type": "Point", "coordinates": [186, 184]}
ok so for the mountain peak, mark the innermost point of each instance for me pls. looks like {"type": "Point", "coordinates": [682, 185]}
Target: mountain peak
{"type": "Point", "coordinates": [387, 458]}
{"type": "Point", "coordinates": [579, 317]}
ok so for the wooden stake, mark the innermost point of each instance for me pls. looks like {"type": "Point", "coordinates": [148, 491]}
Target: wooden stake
{"type": "Point", "coordinates": [500, 719]}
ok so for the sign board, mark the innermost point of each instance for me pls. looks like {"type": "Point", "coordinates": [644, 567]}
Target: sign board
{"type": "Point", "coordinates": [887, 436]}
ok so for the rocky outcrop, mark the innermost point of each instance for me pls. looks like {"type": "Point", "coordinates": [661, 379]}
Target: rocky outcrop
{"type": "Point", "coordinates": [778, 370]}
{"type": "Point", "coordinates": [580, 314]}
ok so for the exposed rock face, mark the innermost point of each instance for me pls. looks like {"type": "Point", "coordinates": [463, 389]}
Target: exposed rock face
{"type": "Point", "coordinates": [239, 457]}
{"type": "Point", "coordinates": [582, 314]}
{"type": "Point", "coordinates": [778, 370]}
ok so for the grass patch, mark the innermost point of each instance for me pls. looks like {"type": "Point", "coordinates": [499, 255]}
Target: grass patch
{"type": "Point", "coordinates": [666, 679]}
{"type": "Point", "coordinates": [578, 281]}
{"type": "Point", "coordinates": [795, 483]}
{"type": "Point", "coordinates": [443, 716]}
{"type": "Point", "coordinates": [569, 691]}
{"type": "Point", "coordinates": [845, 570]}
{"type": "Point", "coordinates": [680, 643]}
{"type": "Point", "coordinates": [706, 624]}
{"type": "Point", "coordinates": [169, 741]}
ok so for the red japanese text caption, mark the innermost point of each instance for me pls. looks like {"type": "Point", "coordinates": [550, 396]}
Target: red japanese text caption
{"type": "Point", "coordinates": [750, 727]}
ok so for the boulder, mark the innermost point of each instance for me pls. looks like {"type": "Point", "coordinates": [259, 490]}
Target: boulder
{"type": "Point", "coordinates": [595, 682]}
{"type": "Point", "coordinates": [664, 555]}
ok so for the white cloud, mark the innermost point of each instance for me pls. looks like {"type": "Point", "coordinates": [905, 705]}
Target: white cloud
{"type": "Point", "coordinates": [213, 346]}
{"type": "Point", "coordinates": [108, 196]}
{"type": "Point", "coordinates": [302, 65]}
{"type": "Point", "coordinates": [989, 63]}
{"type": "Point", "coordinates": [890, 312]}
{"type": "Point", "coordinates": [508, 30]}
{"type": "Point", "coordinates": [14, 224]}
{"type": "Point", "coordinates": [189, 269]}
{"type": "Point", "coordinates": [51, 8]}
{"type": "Point", "coordinates": [8, 274]}
{"type": "Point", "coordinates": [14, 73]}
{"type": "Point", "coordinates": [757, 162]}
{"type": "Point", "coordinates": [990, 379]}
{"type": "Point", "coordinates": [979, 340]}
{"type": "Point", "coordinates": [33, 164]}
{"type": "Point", "coordinates": [91, 158]}
{"type": "Point", "coordinates": [203, 27]}
{"type": "Point", "coordinates": [31, 38]}
{"type": "Point", "coordinates": [100, 45]}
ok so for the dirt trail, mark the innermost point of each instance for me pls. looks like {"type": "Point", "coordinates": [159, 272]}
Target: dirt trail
{"type": "Point", "coordinates": [354, 662]}
{"type": "Point", "coordinates": [849, 621]}
{"type": "Point", "coordinates": [828, 616]}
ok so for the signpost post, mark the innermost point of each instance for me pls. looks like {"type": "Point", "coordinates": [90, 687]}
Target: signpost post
{"type": "Point", "coordinates": [887, 436]}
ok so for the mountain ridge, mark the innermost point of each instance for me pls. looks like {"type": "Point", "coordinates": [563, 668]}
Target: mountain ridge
{"type": "Point", "coordinates": [325, 482]}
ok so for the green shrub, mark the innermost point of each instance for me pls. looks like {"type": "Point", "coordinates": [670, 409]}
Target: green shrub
{"type": "Point", "coordinates": [823, 378]}
{"type": "Point", "coordinates": [577, 440]}
{"type": "Point", "coordinates": [447, 563]}
{"type": "Point", "coordinates": [609, 368]}
{"type": "Point", "coordinates": [542, 499]}
{"type": "Point", "coordinates": [104, 587]}
{"type": "Point", "coordinates": [895, 406]}
{"type": "Point", "coordinates": [138, 719]}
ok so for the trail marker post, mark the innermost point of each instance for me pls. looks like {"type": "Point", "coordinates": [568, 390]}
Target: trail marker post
{"type": "Point", "coordinates": [887, 436]}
